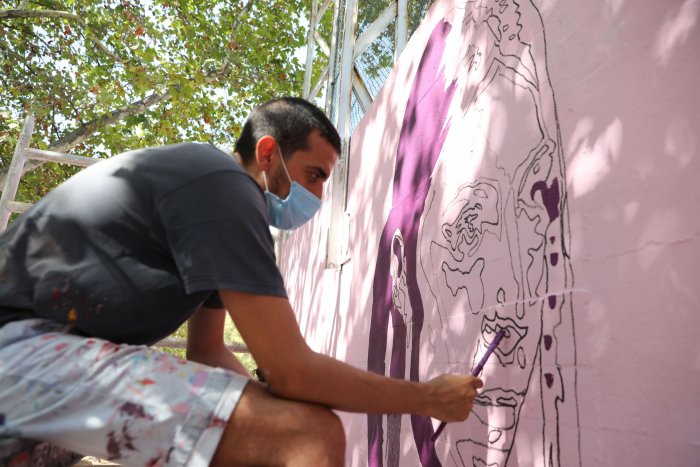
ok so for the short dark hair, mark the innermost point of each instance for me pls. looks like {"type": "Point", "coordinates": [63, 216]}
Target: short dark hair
{"type": "Point", "coordinates": [290, 120]}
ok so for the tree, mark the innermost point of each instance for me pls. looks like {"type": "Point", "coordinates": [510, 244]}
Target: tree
{"type": "Point", "coordinates": [379, 58]}
{"type": "Point", "coordinates": [105, 76]}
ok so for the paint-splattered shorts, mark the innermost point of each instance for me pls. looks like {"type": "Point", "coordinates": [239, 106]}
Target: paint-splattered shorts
{"type": "Point", "coordinates": [129, 404]}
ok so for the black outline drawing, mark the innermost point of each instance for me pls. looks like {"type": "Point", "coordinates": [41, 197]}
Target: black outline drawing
{"type": "Point", "coordinates": [509, 215]}
{"type": "Point", "coordinates": [526, 223]}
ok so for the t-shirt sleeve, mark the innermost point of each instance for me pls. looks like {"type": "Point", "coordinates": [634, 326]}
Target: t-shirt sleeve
{"type": "Point", "coordinates": [218, 233]}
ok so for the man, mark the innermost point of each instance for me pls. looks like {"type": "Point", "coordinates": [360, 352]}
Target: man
{"type": "Point", "coordinates": [117, 257]}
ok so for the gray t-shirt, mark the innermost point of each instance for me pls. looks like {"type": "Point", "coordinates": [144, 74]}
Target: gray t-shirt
{"type": "Point", "coordinates": [128, 248]}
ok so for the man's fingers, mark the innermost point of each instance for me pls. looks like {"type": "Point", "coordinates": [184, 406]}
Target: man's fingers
{"type": "Point", "coordinates": [477, 383]}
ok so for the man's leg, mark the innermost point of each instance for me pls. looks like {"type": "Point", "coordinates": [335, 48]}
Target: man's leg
{"type": "Point", "coordinates": [267, 430]}
{"type": "Point", "coordinates": [137, 406]}
{"type": "Point", "coordinates": [129, 404]}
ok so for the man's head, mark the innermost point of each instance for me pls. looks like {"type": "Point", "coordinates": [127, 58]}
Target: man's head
{"type": "Point", "coordinates": [288, 127]}
{"type": "Point", "coordinates": [290, 121]}
{"type": "Point", "coordinates": [289, 147]}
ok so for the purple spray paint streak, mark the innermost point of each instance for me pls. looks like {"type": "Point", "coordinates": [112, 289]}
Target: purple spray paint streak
{"type": "Point", "coordinates": [551, 200]}
{"type": "Point", "coordinates": [423, 132]}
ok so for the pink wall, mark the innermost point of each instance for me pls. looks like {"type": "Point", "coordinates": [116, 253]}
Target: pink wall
{"type": "Point", "coordinates": [532, 167]}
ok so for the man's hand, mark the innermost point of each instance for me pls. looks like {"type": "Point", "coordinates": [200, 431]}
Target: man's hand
{"type": "Point", "coordinates": [451, 397]}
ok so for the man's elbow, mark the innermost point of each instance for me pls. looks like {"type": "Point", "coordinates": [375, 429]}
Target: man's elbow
{"type": "Point", "coordinates": [289, 382]}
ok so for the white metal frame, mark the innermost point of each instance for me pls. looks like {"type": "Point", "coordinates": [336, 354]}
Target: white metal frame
{"type": "Point", "coordinates": [348, 82]}
{"type": "Point", "coordinates": [22, 153]}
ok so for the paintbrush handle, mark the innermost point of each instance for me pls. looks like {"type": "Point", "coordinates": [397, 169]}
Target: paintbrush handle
{"type": "Point", "coordinates": [475, 372]}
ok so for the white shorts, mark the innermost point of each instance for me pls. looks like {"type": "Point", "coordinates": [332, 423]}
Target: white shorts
{"type": "Point", "coordinates": [129, 404]}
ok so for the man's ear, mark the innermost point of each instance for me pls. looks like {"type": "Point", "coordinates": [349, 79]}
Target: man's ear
{"type": "Point", "coordinates": [265, 152]}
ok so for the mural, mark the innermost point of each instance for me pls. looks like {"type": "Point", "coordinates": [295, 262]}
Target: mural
{"type": "Point", "coordinates": [476, 241]}
{"type": "Point", "coordinates": [395, 289]}
{"type": "Point", "coordinates": [529, 166]}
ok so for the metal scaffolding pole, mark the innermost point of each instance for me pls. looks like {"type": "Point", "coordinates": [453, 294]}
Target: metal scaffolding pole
{"type": "Point", "coordinates": [341, 81]}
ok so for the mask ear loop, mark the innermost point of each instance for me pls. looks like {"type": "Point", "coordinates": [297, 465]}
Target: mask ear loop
{"type": "Point", "coordinates": [283, 164]}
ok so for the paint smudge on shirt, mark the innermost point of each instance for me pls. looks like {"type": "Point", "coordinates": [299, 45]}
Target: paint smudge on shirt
{"type": "Point", "coordinates": [107, 348]}
{"type": "Point", "coordinates": [134, 410]}
{"type": "Point", "coordinates": [182, 408]}
{"type": "Point", "coordinates": [116, 443]}
{"type": "Point", "coordinates": [198, 379]}
{"type": "Point", "coordinates": [217, 422]}
{"type": "Point", "coordinates": [160, 459]}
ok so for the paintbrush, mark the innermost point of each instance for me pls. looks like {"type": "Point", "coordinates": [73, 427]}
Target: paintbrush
{"type": "Point", "coordinates": [475, 372]}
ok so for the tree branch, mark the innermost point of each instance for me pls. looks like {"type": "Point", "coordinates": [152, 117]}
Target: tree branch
{"type": "Point", "coordinates": [14, 14]}
{"type": "Point", "coordinates": [81, 134]}
{"type": "Point", "coordinates": [241, 15]}
{"type": "Point", "coordinates": [78, 136]}
{"type": "Point", "coordinates": [85, 131]}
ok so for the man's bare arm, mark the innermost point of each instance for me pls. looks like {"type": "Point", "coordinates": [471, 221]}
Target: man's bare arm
{"type": "Point", "coordinates": [294, 371]}
{"type": "Point", "coordinates": [205, 340]}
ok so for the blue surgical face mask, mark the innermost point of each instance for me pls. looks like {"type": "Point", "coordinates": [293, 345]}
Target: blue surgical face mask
{"type": "Point", "coordinates": [293, 211]}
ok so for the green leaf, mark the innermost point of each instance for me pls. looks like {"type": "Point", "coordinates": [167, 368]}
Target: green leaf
{"type": "Point", "coordinates": [70, 81]}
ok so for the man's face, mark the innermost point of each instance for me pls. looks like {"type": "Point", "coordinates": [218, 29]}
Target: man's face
{"type": "Point", "coordinates": [308, 167]}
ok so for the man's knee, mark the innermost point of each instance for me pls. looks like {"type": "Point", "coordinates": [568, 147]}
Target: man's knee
{"type": "Point", "coordinates": [335, 432]}
{"type": "Point", "coordinates": [266, 430]}
{"type": "Point", "coordinates": [325, 430]}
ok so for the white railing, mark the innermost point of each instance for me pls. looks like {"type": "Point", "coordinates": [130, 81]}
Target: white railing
{"type": "Point", "coordinates": [22, 154]}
